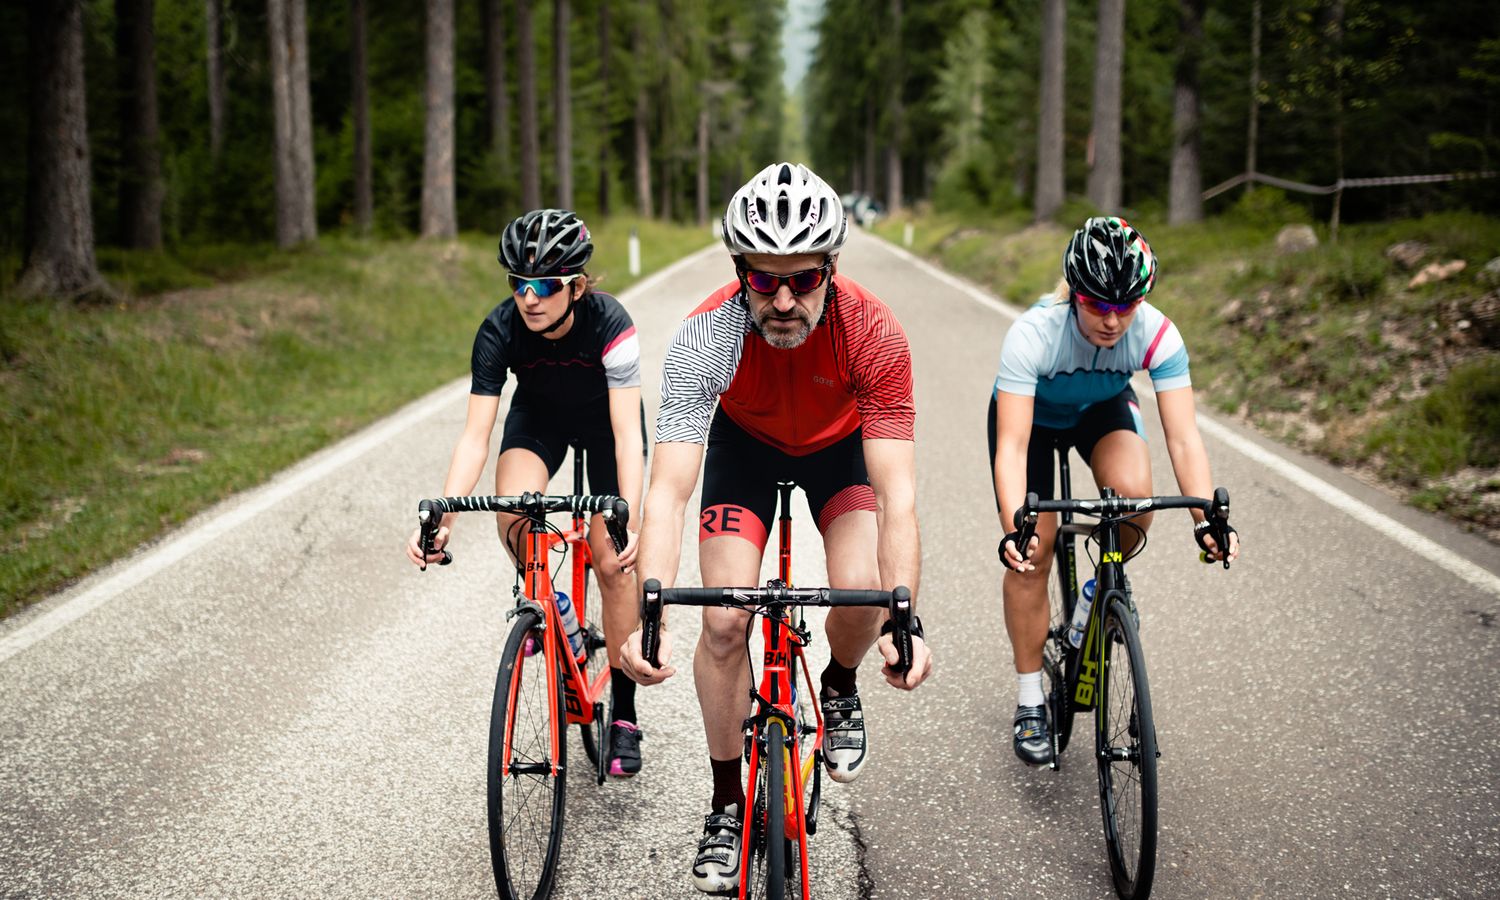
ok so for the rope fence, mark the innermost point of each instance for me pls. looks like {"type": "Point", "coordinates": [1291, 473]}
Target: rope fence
{"type": "Point", "coordinates": [1339, 185]}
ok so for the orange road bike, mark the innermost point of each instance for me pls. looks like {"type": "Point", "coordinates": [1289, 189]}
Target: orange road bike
{"type": "Point", "coordinates": [543, 685]}
{"type": "Point", "coordinates": [1106, 672]}
{"type": "Point", "coordinates": [783, 737]}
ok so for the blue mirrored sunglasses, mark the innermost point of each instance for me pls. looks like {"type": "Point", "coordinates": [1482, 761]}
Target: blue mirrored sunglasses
{"type": "Point", "coordinates": [543, 287]}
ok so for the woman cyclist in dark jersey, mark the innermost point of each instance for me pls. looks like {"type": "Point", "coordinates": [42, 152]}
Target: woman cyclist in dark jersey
{"type": "Point", "coordinates": [576, 360]}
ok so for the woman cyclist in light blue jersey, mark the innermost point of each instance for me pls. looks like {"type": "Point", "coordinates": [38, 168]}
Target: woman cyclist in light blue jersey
{"type": "Point", "coordinates": [1065, 370]}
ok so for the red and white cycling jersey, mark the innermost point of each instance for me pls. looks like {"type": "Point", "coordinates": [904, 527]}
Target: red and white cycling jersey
{"type": "Point", "coordinates": [853, 371]}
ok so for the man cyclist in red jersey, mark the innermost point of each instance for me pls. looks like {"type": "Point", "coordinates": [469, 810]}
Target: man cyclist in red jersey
{"type": "Point", "coordinates": [812, 378]}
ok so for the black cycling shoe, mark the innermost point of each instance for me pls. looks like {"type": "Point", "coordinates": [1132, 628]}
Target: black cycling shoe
{"type": "Point", "coordinates": [624, 749]}
{"type": "Point", "coordinates": [1033, 738]}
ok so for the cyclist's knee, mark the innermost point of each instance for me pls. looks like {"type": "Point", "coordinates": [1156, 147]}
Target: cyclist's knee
{"type": "Point", "coordinates": [723, 634]}
{"type": "Point", "coordinates": [1026, 587]}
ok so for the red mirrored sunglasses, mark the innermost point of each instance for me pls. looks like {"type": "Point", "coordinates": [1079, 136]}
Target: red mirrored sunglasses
{"type": "Point", "coordinates": [801, 282]}
{"type": "Point", "coordinates": [1104, 307]}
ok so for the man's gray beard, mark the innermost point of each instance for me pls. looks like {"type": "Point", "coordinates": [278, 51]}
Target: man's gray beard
{"type": "Point", "coordinates": [783, 341]}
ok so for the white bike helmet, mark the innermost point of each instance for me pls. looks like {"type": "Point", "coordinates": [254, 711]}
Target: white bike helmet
{"type": "Point", "coordinates": [785, 210]}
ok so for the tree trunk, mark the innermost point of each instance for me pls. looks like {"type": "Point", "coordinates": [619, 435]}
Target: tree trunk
{"type": "Point", "coordinates": [214, 26]}
{"type": "Point", "coordinates": [1185, 190]}
{"type": "Point", "coordinates": [1252, 135]}
{"type": "Point", "coordinates": [1338, 121]}
{"type": "Point", "coordinates": [563, 102]}
{"type": "Point", "coordinates": [438, 219]}
{"type": "Point", "coordinates": [1049, 136]}
{"type": "Point", "coordinates": [364, 195]}
{"type": "Point", "coordinates": [59, 221]}
{"type": "Point", "coordinates": [497, 97]}
{"type": "Point", "coordinates": [140, 169]}
{"type": "Point", "coordinates": [531, 173]}
{"type": "Point", "coordinates": [296, 212]}
{"type": "Point", "coordinates": [1109, 65]}
{"type": "Point", "coordinates": [642, 134]}
{"type": "Point", "coordinates": [604, 51]}
{"type": "Point", "coordinates": [703, 163]}
{"type": "Point", "coordinates": [897, 116]}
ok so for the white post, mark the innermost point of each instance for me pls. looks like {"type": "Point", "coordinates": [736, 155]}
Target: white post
{"type": "Point", "coordinates": [907, 233]}
{"type": "Point", "coordinates": [635, 253]}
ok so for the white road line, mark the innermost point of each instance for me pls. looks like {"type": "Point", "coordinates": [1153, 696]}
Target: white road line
{"type": "Point", "coordinates": [1412, 540]}
{"type": "Point", "coordinates": [258, 500]}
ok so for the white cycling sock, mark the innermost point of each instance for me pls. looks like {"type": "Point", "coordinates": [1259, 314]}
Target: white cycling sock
{"type": "Point", "coordinates": [1031, 688]}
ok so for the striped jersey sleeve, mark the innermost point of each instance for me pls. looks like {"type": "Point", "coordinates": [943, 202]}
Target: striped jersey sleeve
{"type": "Point", "coordinates": [878, 366]}
{"type": "Point", "coordinates": [1166, 358]}
{"type": "Point", "coordinates": [621, 352]}
{"type": "Point", "coordinates": [699, 366]}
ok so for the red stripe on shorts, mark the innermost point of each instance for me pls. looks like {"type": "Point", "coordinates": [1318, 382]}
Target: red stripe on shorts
{"type": "Point", "coordinates": [855, 496]}
{"type": "Point", "coordinates": [733, 520]}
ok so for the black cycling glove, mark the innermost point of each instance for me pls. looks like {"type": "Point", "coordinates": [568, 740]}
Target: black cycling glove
{"type": "Point", "coordinates": [1013, 538]}
{"type": "Point", "coordinates": [1202, 529]}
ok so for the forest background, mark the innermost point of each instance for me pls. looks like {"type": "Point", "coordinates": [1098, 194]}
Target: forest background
{"type": "Point", "coordinates": [231, 232]}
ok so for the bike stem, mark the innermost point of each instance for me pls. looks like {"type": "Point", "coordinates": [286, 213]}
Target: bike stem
{"type": "Point", "coordinates": [784, 489]}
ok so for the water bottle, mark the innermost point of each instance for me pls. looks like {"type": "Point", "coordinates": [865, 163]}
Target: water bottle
{"type": "Point", "coordinates": [570, 623]}
{"type": "Point", "coordinates": [1081, 614]}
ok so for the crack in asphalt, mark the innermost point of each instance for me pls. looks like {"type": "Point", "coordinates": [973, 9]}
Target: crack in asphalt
{"type": "Point", "coordinates": [847, 821]}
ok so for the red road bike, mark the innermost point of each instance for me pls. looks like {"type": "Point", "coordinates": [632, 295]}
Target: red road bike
{"type": "Point", "coordinates": [783, 737]}
{"type": "Point", "coordinates": [543, 685]}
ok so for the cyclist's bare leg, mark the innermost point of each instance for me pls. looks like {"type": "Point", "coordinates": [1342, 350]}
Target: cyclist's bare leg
{"type": "Point", "coordinates": [517, 471]}
{"type": "Point", "coordinates": [621, 604]}
{"type": "Point", "coordinates": [721, 669]}
{"type": "Point", "coordinates": [849, 545]}
{"type": "Point", "coordinates": [1025, 593]}
{"type": "Point", "coordinates": [1122, 461]}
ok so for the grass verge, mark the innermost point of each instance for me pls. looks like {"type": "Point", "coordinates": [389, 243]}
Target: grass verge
{"type": "Point", "coordinates": [222, 366]}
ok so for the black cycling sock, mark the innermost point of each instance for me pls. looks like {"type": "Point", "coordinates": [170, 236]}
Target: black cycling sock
{"type": "Point", "coordinates": [728, 789]}
{"type": "Point", "coordinates": [623, 691]}
{"type": "Point", "coordinates": [838, 680]}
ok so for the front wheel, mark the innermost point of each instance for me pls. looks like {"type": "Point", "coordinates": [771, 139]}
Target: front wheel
{"type": "Point", "coordinates": [1126, 742]}
{"type": "Point", "coordinates": [766, 868]}
{"type": "Point", "coordinates": [525, 794]}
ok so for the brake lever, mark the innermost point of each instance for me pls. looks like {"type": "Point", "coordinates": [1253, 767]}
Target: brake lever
{"type": "Point", "coordinates": [429, 527]}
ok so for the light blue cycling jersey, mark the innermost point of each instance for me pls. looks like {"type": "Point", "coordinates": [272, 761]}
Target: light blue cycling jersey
{"type": "Point", "coordinates": [1045, 356]}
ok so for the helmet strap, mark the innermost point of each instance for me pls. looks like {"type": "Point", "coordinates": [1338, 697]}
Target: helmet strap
{"type": "Point", "coordinates": [567, 314]}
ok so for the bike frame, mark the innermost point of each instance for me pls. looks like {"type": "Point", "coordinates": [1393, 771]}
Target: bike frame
{"type": "Point", "coordinates": [1082, 664]}
{"type": "Point", "coordinates": [581, 703]}
{"type": "Point", "coordinates": [775, 696]}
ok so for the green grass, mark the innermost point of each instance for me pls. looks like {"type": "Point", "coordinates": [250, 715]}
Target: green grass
{"type": "Point", "coordinates": [1330, 350]}
{"type": "Point", "coordinates": [221, 366]}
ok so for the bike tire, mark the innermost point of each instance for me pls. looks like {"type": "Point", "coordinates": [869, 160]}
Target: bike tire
{"type": "Point", "coordinates": [595, 734]}
{"type": "Point", "coordinates": [525, 803]}
{"type": "Point", "coordinates": [766, 864]}
{"type": "Point", "coordinates": [1127, 754]}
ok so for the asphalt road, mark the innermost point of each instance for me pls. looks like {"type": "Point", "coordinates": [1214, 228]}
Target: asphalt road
{"type": "Point", "coordinates": [274, 703]}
